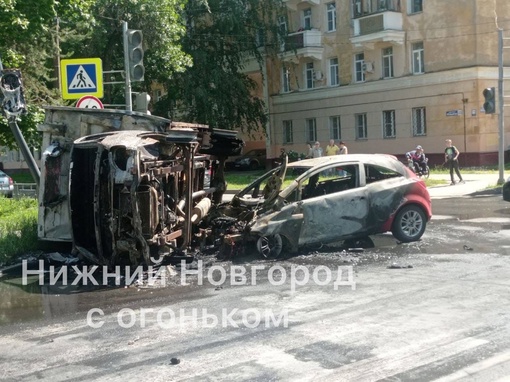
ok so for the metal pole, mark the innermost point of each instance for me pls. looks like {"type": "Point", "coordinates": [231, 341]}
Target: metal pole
{"type": "Point", "coordinates": [129, 106]}
{"type": "Point", "coordinates": [464, 101]}
{"type": "Point", "coordinates": [58, 55]}
{"type": "Point", "coordinates": [501, 156]}
{"type": "Point", "coordinates": [22, 144]}
{"type": "Point", "coordinates": [265, 90]}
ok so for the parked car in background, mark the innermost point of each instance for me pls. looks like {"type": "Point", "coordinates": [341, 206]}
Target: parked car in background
{"type": "Point", "coordinates": [6, 185]}
{"type": "Point", "coordinates": [329, 199]}
{"type": "Point", "coordinates": [253, 160]}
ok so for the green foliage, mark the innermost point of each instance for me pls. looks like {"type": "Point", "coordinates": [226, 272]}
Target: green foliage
{"type": "Point", "coordinates": [22, 177]}
{"type": "Point", "coordinates": [295, 156]}
{"type": "Point", "coordinates": [29, 41]}
{"type": "Point", "coordinates": [221, 38]}
{"type": "Point", "coordinates": [27, 124]}
{"type": "Point", "coordinates": [161, 24]}
{"type": "Point", "coordinates": [18, 227]}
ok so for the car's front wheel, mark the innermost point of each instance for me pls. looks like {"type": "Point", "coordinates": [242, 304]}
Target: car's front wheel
{"type": "Point", "coordinates": [409, 224]}
{"type": "Point", "coordinates": [270, 246]}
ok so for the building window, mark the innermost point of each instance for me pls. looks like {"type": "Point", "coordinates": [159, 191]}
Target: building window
{"type": "Point", "coordinates": [419, 122]}
{"type": "Point", "coordinates": [361, 126]}
{"type": "Point", "coordinates": [416, 6]}
{"type": "Point", "coordinates": [331, 10]}
{"type": "Point", "coordinates": [260, 37]}
{"type": "Point", "coordinates": [309, 75]}
{"type": "Point", "coordinates": [356, 8]}
{"type": "Point", "coordinates": [334, 128]}
{"type": "Point", "coordinates": [311, 130]}
{"type": "Point", "coordinates": [418, 61]}
{"type": "Point", "coordinates": [282, 31]}
{"type": "Point", "coordinates": [282, 25]}
{"type": "Point", "coordinates": [389, 124]}
{"type": "Point", "coordinates": [359, 60]}
{"type": "Point", "coordinates": [387, 62]}
{"type": "Point", "coordinates": [288, 134]}
{"type": "Point", "coordinates": [307, 19]}
{"type": "Point", "coordinates": [285, 80]}
{"type": "Point", "coordinates": [333, 72]}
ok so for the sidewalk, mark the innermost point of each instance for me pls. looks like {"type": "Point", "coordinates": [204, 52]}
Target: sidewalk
{"type": "Point", "coordinates": [473, 183]}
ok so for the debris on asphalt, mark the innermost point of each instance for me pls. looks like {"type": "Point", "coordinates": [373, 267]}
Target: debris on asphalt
{"type": "Point", "coordinates": [175, 361]}
{"type": "Point", "coordinates": [398, 266]}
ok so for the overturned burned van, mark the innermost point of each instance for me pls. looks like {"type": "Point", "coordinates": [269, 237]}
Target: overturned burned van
{"type": "Point", "coordinates": [125, 187]}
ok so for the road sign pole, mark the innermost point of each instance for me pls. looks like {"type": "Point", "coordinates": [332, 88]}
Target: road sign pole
{"type": "Point", "coordinates": [129, 105]}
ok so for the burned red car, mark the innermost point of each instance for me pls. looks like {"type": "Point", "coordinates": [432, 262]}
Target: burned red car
{"type": "Point", "coordinates": [326, 200]}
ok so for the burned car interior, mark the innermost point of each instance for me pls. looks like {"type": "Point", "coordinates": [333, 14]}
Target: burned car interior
{"type": "Point", "coordinates": [325, 200]}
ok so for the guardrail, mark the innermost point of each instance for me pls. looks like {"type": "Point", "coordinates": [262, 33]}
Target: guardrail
{"type": "Point", "coordinates": [25, 189]}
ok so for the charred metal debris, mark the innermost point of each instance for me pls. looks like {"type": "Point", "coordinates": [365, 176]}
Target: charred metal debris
{"type": "Point", "coordinates": [129, 188]}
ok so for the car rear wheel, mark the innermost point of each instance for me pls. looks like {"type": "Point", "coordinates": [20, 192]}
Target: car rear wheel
{"type": "Point", "coordinates": [254, 166]}
{"type": "Point", "coordinates": [270, 246]}
{"type": "Point", "coordinates": [409, 224]}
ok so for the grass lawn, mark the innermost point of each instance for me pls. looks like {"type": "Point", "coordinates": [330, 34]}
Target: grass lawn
{"type": "Point", "coordinates": [18, 227]}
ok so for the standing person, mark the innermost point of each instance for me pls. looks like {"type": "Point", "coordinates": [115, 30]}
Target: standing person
{"type": "Point", "coordinates": [343, 148]}
{"type": "Point", "coordinates": [331, 148]}
{"type": "Point", "coordinates": [309, 153]}
{"type": "Point", "coordinates": [451, 155]}
{"type": "Point", "coordinates": [317, 150]}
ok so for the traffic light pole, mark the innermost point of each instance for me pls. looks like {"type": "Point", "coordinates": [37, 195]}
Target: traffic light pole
{"type": "Point", "coordinates": [501, 105]}
{"type": "Point", "coordinates": [129, 102]}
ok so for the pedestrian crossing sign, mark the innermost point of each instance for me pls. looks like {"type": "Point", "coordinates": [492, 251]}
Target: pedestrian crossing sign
{"type": "Point", "coordinates": [81, 76]}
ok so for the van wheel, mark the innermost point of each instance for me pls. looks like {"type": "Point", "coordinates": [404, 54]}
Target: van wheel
{"type": "Point", "coordinates": [270, 247]}
{"type": "Point", "coordinates": [409, 224]}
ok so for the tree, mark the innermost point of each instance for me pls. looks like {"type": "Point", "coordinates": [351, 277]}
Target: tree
{"type": "Point", "coordinates": [29, 43]}
{"type": "Point", "coordinates": [220, 36]}
{"type": "Point", "coordinates": [162, 27]}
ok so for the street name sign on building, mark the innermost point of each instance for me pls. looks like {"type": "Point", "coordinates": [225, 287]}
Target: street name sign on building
{"type": "Point", "coordinates": [81, 76]}
{"type": "Point", "coordinates": [89, 102]}
{"type": "Point", "coordinates": [452, 113]}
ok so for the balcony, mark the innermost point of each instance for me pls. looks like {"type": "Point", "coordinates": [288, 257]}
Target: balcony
{"type": "Point", "coordinates": [303, 44]}
{"type": "Point", "coordinates": [293, 4]}
{"type": "Point", "coordinates": [384, 26]}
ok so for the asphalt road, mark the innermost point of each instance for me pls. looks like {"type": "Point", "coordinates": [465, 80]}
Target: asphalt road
{"type": "Point", "coordinates": [437, 309]}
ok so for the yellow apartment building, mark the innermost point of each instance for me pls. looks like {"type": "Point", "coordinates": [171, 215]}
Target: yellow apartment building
{"type": "Point", "coordinates": [387, 75]}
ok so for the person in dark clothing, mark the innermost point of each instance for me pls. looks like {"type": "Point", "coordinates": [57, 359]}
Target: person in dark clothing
{"type": "Point", "coordinates": [417, 156]}
{"type": "Point", "coordinates": [451, 155]}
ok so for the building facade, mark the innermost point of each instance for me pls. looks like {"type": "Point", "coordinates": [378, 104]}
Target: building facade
{"type": "Point", "coordinates": [383, 76]}
{"type": "Point", "coordinates": [387, 75]}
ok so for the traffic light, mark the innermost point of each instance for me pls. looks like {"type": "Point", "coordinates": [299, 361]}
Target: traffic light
{"type": "Point", "coordinates": [490, 100]}
{"type": "Point", "coordinates": [142, 103]}
{"type": "Point", "coordinates": [11, 96]}
{"type": "Point", "coordinates": [135, 54]}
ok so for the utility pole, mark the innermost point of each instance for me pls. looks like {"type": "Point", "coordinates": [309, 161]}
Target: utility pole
{"type": "Point", "coordinates": [501, 122]}
{"type": "Point", "coordinates": [129, 103]}
{"type": "Point", "coordinates": [57, 38]}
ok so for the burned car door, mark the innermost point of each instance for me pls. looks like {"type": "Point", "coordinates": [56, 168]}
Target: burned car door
{"type": "Point", "coordinates": [334, 206]}
{"type": "Point", "coordinates": [386, 189]}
